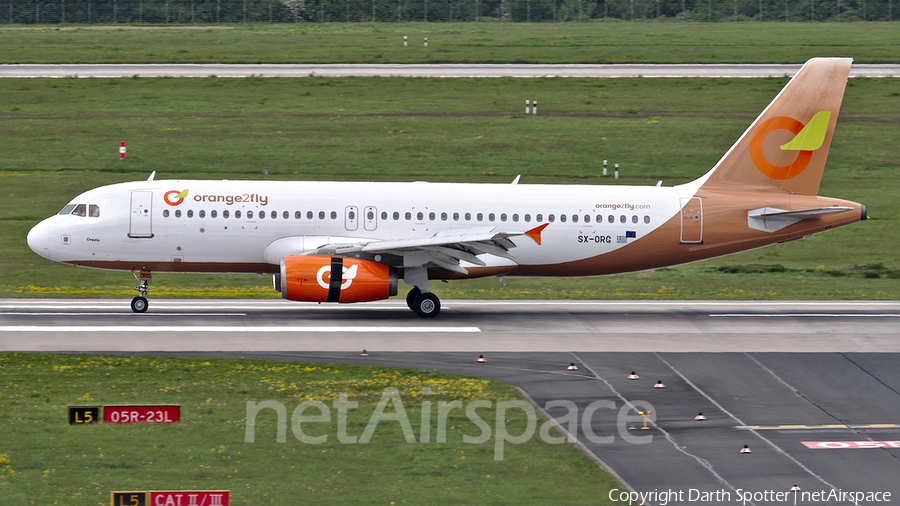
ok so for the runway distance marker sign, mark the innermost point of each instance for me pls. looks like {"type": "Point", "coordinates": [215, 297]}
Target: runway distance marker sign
{"type": "Point", "coordinates": [79, 415]}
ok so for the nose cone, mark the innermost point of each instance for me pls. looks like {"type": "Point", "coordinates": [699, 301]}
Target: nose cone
{"type": "Point", "coordinates": [38, 239]}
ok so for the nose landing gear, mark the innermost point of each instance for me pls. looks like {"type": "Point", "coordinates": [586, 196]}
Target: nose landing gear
{"type": "Point", "coordinates": [139, 304]}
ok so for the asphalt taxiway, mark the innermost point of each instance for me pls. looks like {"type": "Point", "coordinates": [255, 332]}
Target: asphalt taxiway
{"type": "Point", "coordinates": [812, 388]}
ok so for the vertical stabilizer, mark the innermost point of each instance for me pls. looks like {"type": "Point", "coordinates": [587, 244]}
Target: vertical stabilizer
{"type": "Point", "coordinates": [786, 146]}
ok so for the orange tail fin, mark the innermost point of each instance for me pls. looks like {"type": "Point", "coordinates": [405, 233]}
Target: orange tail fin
{"type": "Point", "coordinates": [786, 146]}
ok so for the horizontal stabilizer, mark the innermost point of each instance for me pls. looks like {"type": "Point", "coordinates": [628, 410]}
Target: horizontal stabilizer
{"type": "Point", "coordinates": [772, 219]}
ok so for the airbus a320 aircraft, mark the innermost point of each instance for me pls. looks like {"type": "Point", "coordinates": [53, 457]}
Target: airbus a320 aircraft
{"type": "Point", "coordinates": [351, 242]}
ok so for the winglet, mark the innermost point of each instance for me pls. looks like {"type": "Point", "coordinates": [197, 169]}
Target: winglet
{"type": "Point", "coordinates": [535, 233]}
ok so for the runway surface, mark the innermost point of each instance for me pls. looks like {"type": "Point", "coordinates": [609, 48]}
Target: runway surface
{"type": "Point", "coordinates": [812, 388]}
{"type": "Point", "coordinates": [425, 70]}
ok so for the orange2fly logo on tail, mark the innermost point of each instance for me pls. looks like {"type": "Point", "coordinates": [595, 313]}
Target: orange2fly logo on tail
{"type": "Point", "coordinates": [807, 138]}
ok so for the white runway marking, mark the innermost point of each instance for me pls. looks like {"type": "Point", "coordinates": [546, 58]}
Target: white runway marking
{"type": "Point", "coordinates": [121, 313]}
{"type": "Point", "coordinates": [130, 329]}
{"type": "Point", "coordinates": [805, 315]}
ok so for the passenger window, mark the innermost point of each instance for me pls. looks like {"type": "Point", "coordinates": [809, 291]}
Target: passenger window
{"type": "Point", "coordinates": [321, 215]}
{"type": "Point", "coordinates": [67, 209]}
{"type": "Point", "coordinates": [515, 217]}
{"type": "Point", "coordinates": [443, 216]}
{"type": "Point", "coordinates": [430, 216]}
{"type": "Point", "coordinates": [225, 214]}
{"type": "Point", "coordinates": [178, 213]}
{"type": "Point", "coordinates": [297, 215]}
{"type": "Point", "coordinates": [599, 219]}
{"type": "Point", "coordinates": [491, 217]}
{"type": "Point", "coordinates": [190, 213]}
{"type": "Point", "coordinates": [539, 218]}
{"type": "Point", "coordinates": [562, 218]}
{"type": "Point", "coordinates": [527, 218]}
{"type": "Point", "coordinates": [634, 218]}
{"type": "Point", "coordinates": [479, 216]}
{"type": "Point", "coordinates": [274, 214]}
{"type": "Point", "coordinates": [165, 213]}
{"type": "Point", "coordinates": [646, 219]}
{"type": "Point", "coordinates": [468, 216]}
{"type": "Point", "coordinates": [370, 215]}
{"type": "Point", "coordinates": [351, 215]}
{"type": "Point", "coordinates": [237, 215]}
{"type": "Point", "coordinates": [396, 216]}
{"type": "Point", "coordinates": [213, 213]}
{"type": "Point", "coordinates": [574, 218]}
{"type": "Point", "coordinates": [455, 216]}
{"type": "Point", "coordinates": [94, 211]}
{"type": "Point", "coordinates": [408, 216]}
{"type": "Point", "coordinates": [286, 215]}
{"type": "Point", "coordinates": [333, 215]}
{"type": "Point", "coordinates": [622, 219]}
{"type": "Point", "coordinates": [551, 218]}
{"type": "Point", "coordinates": [80, 210]}
{"type": "Point", "coordinates": [420, 216]}
{"type": "Point", "coordinates": [309, 215]}
{"type": "Point", "coordinates": [612, 219]}
{"type": "Point", "coordinates": [587, 218]}
{"type": "Point", "coordinates": [202, 213]}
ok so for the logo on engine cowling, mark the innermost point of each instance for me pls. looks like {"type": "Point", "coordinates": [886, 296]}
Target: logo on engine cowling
{"type": "Point", "coordinates": [347, 276]}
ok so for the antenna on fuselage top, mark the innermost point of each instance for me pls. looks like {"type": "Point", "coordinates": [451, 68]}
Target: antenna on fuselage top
{"type": "Point", "coordinates": [516, 180]}
{"type": "Point", "coordinates": [152, 175]}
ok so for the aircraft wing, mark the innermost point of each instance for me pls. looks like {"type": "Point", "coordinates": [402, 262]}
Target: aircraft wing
{"type": "Point", "coordinates": [444, 249]}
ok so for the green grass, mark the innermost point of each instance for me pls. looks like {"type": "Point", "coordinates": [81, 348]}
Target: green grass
{"type": "Point", "coordinates": [60, 137]}
{"type": "Point", "coordinates": [45, 461]}
{"type": "Point", "coordinates": [591, 42]}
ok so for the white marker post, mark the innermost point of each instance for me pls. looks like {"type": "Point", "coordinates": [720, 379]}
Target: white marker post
{"type": "Point", "coordinates": [122, 150]}
{"type": "Point", "coordinates": [527, 106]}
{"type": "Point", "coordinates": [426, 41]}
{"type": "Point", "coordinates": [604, 168]}
{"type": "Point", "coordinates": [405, 42]}
{"type": "Point", "coordinates": [617, 171]}
{"type": "Point", "coordinates": [534, 107]}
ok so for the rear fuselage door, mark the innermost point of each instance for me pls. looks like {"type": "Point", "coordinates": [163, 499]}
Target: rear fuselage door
{"type": "Point", "coordinates": [140, 225]}
{"type": "Point", "coordinates": [691, 220]}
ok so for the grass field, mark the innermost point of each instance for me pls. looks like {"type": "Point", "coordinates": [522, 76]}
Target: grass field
{"type": "Point", "coordinates": [45, 461]}
{"type": "Point", "coordinates": [593, 42]}
{"type": "Point", "coordinates": [61, 137]}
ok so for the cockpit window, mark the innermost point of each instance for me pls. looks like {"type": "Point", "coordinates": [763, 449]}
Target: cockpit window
{"type": "Point", "coordinates": [94, 211]}
{"type": "Point", "coordinates": [80, 210]}
{"type": "Point", "coordinates": [67, 209]}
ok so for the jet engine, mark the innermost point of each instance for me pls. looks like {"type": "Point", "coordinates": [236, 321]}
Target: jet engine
{"type": "Point", "coordinates": [335, 279]}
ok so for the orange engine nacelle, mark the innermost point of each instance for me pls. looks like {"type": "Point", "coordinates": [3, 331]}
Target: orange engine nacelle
{"type": "Point", "coordinates": [311, 279]}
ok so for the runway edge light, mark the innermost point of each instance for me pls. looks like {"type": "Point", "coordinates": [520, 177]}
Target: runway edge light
{"type": "Point", "coordinates": [659, 384]}
{"type": "Point", "coordinates": [745, 449]}
{"type": "Point", "coordinates": [481, 359]}
{"type": "Point", "coordinates": [633, 376]}
{"type": "Point", "coordinates": [572, 367]}
{"type": "Point", "coordinates": [699, 417]}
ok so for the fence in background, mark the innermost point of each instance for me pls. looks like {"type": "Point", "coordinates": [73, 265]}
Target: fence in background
{"type": "Point", "coordinates": [291, 11]}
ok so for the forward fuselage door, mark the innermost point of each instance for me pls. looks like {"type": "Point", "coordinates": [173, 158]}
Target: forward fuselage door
{"type": "Point", "coordinates": [140, 226]}
{"type": "Point", "coordinates": [691, 220]}
{"type": "Point", "coordinates": [351, 218]}
{"type": "Point", "coordinates": [371, 218]}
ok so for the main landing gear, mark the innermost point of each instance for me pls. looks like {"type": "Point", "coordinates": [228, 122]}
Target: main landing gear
{"type": "Point", "coordinates": [426, 305]}
{"type": "Point", "coordinates": [139, 304]}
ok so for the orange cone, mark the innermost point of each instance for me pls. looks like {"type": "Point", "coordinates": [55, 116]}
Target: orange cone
{"type": "Point", "coordinates": [745, 449]}
{"type": "Point", "coordinates": [481, 359]}
{"type": "Point", "coordinates": [699, 417]}
{"type": "Point", "coordinates": [633, 376]}
{"type": "Point", "coordinates": [659, 384]}
{"type": "Point", "coordinates": [572, 367]}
